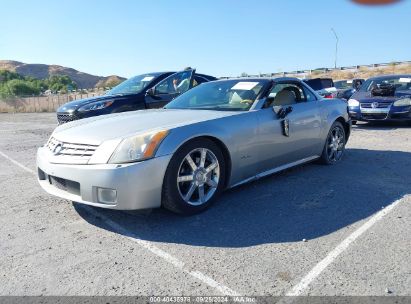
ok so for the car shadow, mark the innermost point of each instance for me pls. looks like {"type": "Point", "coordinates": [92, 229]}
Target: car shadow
{"type": "Point", "coordinates": [382, 125]}
{"type": "Point", "coordinates": [306, 202]}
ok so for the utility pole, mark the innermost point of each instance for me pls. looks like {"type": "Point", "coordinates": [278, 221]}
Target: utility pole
{"type": "Point", "coordinates": [336, 47]}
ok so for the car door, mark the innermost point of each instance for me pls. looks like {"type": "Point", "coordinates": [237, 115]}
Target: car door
{"type": "Point", "coordinates": [169, 88]}
{"type": "Point", "coordinates": [294, 137]}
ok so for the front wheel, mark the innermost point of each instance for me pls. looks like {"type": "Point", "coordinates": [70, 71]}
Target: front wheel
{"type": "Point", "coordinates": [194, 177]}
{"type": "Point", "coordinates": [334, 145]}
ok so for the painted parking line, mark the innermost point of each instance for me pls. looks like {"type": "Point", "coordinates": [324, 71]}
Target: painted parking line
{"type": "Point", "coordinates": [145, 244]}
{"type": "Point", "coordinates": [298, 289]}
{"type": "Point", "coordinates": [17, 163]}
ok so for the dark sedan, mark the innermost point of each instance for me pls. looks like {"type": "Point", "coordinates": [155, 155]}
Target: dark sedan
{"type": "Point", "coordinates": [346, 88]}
{"type": "Point", "coordinates": [147, 91]}
{"type": "Point", "coordinates": [382, 98]}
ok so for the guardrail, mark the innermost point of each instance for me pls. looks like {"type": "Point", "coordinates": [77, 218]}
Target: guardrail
{"type": "Point", "coordinates": [325, 70]}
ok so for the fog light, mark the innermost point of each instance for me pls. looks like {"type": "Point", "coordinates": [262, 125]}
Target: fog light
{"type": "Point", "coordinates": [106, 196]}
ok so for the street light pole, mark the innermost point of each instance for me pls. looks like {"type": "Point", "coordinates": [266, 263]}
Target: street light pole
{"type": "Point", "coordinates": [336, 47]}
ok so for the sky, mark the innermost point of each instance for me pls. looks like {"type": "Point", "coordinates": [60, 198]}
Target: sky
{"type": "Point", "coordinates": [218, 37]}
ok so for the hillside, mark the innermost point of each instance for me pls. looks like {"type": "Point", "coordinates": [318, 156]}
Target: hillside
{"type": "Point", "coordinates": [364, 72]}
{"type": "Point", "coordinates": [43, 71]}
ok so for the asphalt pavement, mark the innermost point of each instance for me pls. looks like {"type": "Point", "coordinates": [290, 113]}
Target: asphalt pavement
{"type": "Point", "coordinates": [311, 230]}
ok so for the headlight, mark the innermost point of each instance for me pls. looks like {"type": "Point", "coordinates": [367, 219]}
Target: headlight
{"type": "Point", "coordinates": [353, 103]}
{"type": "Point", "coordinates": [403, 102]}
{"type": "Point", "coordinates": [138, 147]}
{"type": "Point", "coordinates": [98, 105]}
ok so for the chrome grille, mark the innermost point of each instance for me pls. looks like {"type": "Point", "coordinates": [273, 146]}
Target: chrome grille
{"type": "Point", "coordinates": [379, 105]}
{"type": "Point", "coordinates": [64, 149]}
{"type": "Point", "coordinates": [63, 118]}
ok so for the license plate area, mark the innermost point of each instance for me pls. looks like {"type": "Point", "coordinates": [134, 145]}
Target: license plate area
{"type": "Point", "coordinates": [65, 184]}
{"type": "Point", "coordinates": [374, 111]}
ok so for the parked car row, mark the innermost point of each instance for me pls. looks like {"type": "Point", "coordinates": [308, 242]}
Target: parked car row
{"type": "Point", "coordinates": [210, 137]}
{"type": "Point", "coordinates": [375, 99]}
{"type": "Point", "coordinates": [382, 98]}
{"type": "Point", "coordinates": [327, 88]}
{"type": "Point", "coordinates": [379, 98]}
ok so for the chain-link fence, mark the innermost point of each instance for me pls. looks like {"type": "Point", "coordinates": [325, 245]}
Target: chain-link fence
{"type": "Point", "coordinates": [48, 103]}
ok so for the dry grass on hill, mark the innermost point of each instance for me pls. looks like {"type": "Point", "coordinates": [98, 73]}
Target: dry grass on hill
{"type": "Point", "coordinates": [364, 72]}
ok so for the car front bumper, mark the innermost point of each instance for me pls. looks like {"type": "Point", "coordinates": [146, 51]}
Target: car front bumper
{"type": "Point", "coordinates": [137, 185]}
{"type": "Point", "coordinates": [390, 114]}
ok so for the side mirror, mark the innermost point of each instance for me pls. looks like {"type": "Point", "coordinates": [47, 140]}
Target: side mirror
{"type": "Point", "coordinates": [282, 112]}
{"type": "Point", "coordinates": [151, 91]}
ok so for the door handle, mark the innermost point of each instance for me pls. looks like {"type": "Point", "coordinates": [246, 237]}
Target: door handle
{"type": "Point", "coordinates": [282, 112]}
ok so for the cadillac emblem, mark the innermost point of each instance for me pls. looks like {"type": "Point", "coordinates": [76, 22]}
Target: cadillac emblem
{"type": "Point", "coordinates": [57, 149]}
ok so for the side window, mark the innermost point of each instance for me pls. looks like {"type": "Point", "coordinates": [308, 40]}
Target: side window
{"type": "Point", "coordinates": [198, 80]}
{"type": "Point", "coordinates": [309, 95]}
{"type": "Point", "coordinates": [177, 83]}
{"type": "Point", "coordinates": [285, 93]}
{"type": "Point", "coordinates": [164, 87]}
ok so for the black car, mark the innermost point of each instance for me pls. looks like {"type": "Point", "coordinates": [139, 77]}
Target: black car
{"type": "Point", "coordinates": [382, 98]}
{"type": "Point", "coordinates": [323, 86]}
{"type": "Point", "coordinates": [345, 88]}
{"type": "Point", "coordinates": [153, 90]}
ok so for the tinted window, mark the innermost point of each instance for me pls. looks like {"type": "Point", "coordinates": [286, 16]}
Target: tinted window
{"type": "Point", "coordinates": [343, 84]}
{"type": "Point", "coordinates": [320, 83]}
{"type": "Point", "coordinates": [175, 84]}
{"type": "Point", "coordinates": [309, 95]}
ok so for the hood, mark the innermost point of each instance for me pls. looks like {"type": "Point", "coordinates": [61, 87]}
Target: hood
{"type": "Point", "coordinates": [95, 130]}
{"type": "Point", "coordinates": [367, 97]}
{"type": "Point", "coordinates": [74, 105]}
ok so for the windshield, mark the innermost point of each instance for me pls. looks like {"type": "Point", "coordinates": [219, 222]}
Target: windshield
{"type": "Point", "coordinates": [227, 95]}
{"type": "Point", "coordinates": [132, 85]}
{"type": "Point", "coordinates": [401, 83]}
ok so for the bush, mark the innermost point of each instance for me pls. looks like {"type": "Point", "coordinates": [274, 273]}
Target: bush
{"type": "Point", "coordinates": [14, 84]}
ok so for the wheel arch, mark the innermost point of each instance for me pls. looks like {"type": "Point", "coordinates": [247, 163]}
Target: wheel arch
{"type": "Point", "coordinates": [224, 150]}
{"type": "Point", "coordinates": [346, 125]}
{"type": "Point", "coordinates": [227, 157]}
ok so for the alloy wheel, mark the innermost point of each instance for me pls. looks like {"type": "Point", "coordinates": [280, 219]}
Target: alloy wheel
{"type": "Point", "coordinates": [198, 176]}
{"type": "Point", "coordinates": [335, 144]}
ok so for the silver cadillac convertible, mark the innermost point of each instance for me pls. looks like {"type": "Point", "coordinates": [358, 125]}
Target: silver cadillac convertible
{"type": "Point", "coordinates": [216, 136]}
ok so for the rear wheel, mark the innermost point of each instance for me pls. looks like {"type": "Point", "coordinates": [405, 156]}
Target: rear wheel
{"type": "Point", "coordinates": [334, 145]}
{"type": "Point", "coordinates": [194, 177]}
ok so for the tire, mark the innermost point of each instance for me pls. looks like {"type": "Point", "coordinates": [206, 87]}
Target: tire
{"type": "Point", "coordinates": [334, 146]}
{"type": "Point", "coordinates": [191, 186]}
{"type": "Point", "coordinates": [354, 122]}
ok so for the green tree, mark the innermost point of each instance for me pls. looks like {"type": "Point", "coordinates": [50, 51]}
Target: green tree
{"type": "Point", "coordinates": [60, 83]}
{"type": "Point", "coordinates": [14, 84]}
{"type": "Point", "coordinates": [16, 87]}
{"type": "Point", "coordinates": [6, 75]}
